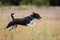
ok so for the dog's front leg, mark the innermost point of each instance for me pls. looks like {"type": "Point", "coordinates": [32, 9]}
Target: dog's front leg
{"type": "Point", "coordinates": [31, 24]}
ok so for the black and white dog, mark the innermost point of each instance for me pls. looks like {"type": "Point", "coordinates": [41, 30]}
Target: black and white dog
{"type": "Point", "coordinates": [27, 21]}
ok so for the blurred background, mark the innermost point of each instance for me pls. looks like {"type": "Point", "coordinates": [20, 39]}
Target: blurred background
{"type": "Point", "coordinates": [48, 28]}
{"type": "Point", "coordinates": [30, 2]}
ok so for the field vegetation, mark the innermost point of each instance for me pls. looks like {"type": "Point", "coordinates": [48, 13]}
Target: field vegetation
{"type": "Point", "coordinates": [48, 28]}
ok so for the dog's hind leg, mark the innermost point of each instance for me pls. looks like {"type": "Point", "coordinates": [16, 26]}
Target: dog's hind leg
{"type": "Point", "coordinates": [10, 24]}
{"type": "Point", "coordinates": [13, 27]}
{"type": "Point", "coordinates": [10, 29]}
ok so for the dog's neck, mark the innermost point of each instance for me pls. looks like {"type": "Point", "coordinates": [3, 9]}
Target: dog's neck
{"type": "Point", "coordinates": [31, 17]}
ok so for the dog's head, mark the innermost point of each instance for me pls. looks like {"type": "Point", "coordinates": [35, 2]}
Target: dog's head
{"type": "Point", "coordinates": [36, 16]}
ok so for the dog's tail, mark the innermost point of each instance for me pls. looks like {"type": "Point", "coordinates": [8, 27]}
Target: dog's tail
{"type": "Point", "coordinates": [12, 15]}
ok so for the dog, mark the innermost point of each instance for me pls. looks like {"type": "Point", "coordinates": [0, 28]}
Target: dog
{"type": "Point", "coordinates": [26, 21]}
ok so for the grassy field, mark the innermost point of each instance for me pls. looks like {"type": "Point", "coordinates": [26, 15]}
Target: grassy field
{"type": "Point", "coordinates": [48, 28]}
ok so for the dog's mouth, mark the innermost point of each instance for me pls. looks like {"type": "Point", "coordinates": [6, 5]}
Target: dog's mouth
{"type": "Point", "coordinates": [39, 18]}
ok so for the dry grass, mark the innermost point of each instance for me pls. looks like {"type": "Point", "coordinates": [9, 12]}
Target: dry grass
{"type": "Point", "coordinates": [48, 28]}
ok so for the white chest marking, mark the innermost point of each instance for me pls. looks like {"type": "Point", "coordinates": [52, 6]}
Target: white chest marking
{"type": "Point", "coordinates": [31, 24]}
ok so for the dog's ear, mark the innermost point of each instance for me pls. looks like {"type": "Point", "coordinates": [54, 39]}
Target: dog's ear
{"type": "Point", "coordinates": [12, 13]}
{"type": "Point", "coordinates": [33, 13]}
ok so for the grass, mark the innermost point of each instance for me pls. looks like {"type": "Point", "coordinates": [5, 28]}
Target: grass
{"type": "Point", "coordinates": [46, 29]}
{"type": "Point", "coordinates": [28, 34]}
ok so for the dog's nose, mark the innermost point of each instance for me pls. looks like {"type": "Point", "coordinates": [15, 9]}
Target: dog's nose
{"type": "Point", "coordinates": [40, 17]}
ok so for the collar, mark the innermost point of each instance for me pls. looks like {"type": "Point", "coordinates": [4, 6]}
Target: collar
{"type": "Point", "coordinates": [31, 17]}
